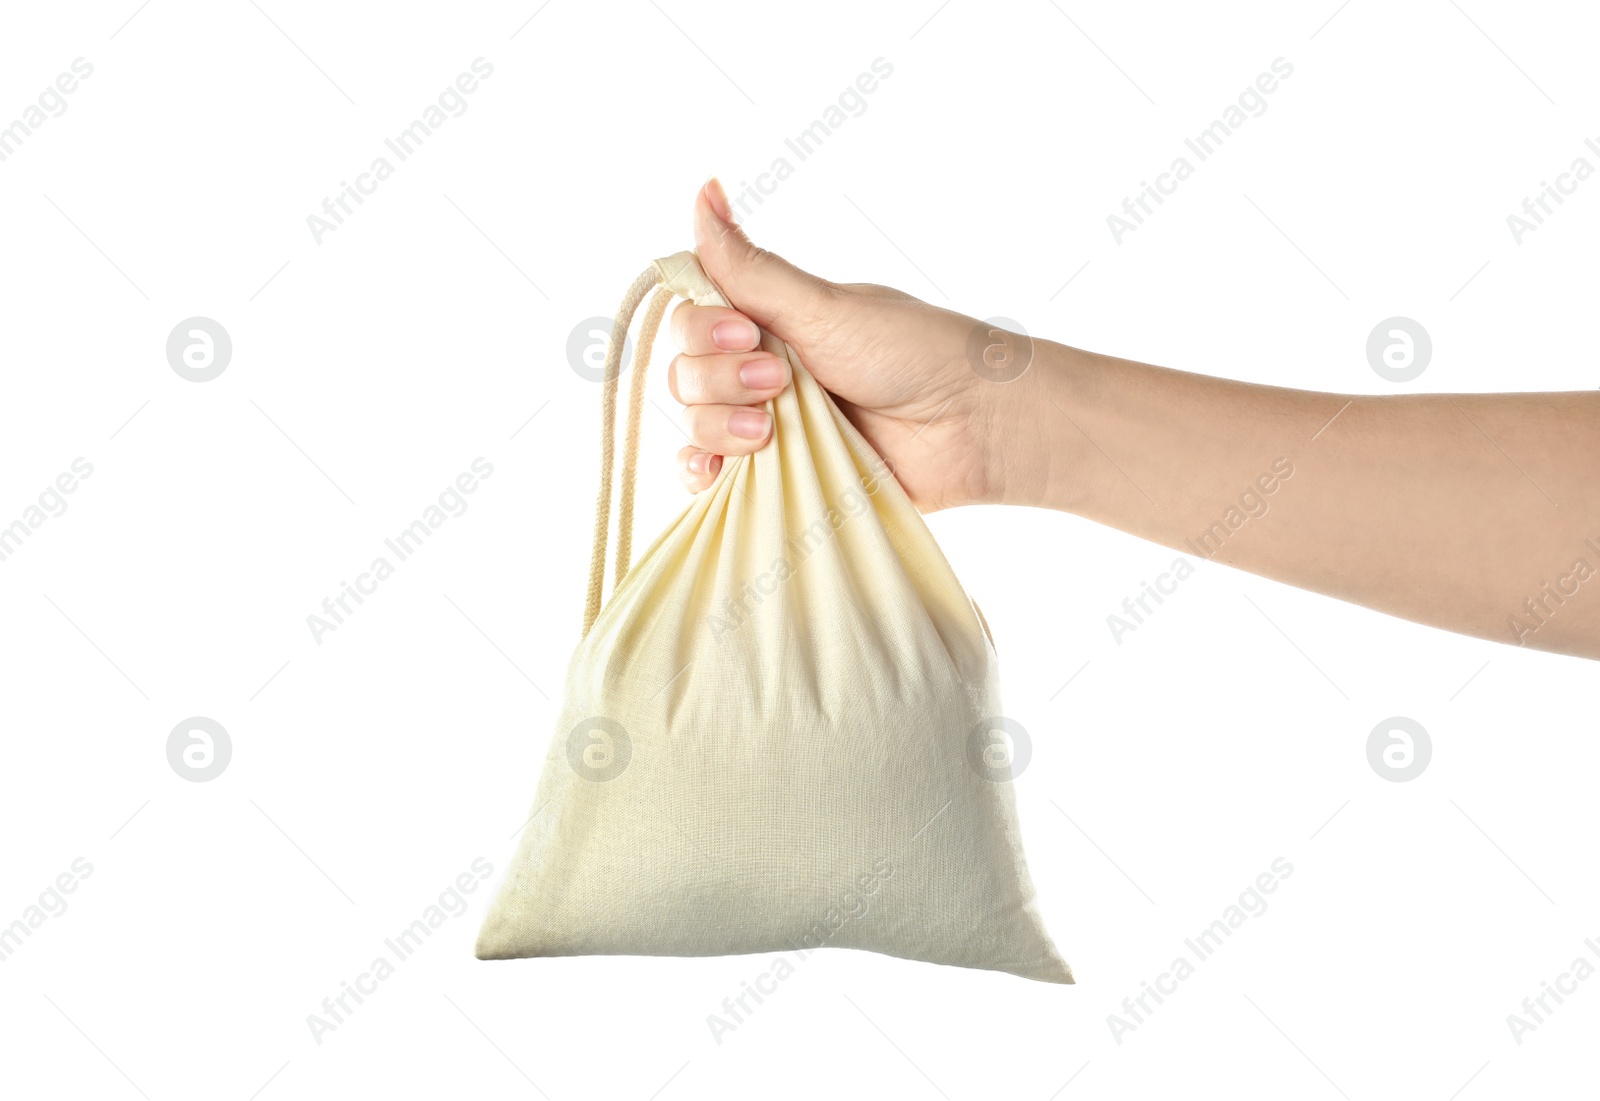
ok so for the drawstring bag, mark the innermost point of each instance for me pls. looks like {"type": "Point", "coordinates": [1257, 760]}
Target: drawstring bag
{"type": "Point", "coordinates": [780, 732]}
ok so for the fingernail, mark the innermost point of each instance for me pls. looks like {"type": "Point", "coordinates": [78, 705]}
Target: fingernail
{"type": "Point", "coordinates": [698, 461]}
{"type": "Point", "coordinates": [719, 200]}
{"type": "Point", "coordinates": [734, 336]}
{"type": "Point", "coordinates": [762, 374]}
{"type": "Point", "coordinates": [749, 424]}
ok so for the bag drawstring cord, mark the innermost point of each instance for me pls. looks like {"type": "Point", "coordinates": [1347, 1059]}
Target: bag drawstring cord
{"type": "Point", "coordinates": [608, 432]}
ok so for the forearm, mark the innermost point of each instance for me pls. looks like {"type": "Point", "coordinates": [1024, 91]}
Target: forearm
{"type": "Point", "coordinates": [1475, 513]}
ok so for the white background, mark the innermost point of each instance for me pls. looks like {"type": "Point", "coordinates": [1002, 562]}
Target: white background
{"type": "Point", "coordinates": [369, 370]}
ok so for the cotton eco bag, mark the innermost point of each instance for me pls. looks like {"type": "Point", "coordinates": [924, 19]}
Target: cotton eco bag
{"type": "Point", "coordinates": [780, 732]}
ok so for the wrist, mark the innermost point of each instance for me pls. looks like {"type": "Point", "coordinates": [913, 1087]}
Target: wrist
{"type": "Point", "coordinates": [1034, 440]}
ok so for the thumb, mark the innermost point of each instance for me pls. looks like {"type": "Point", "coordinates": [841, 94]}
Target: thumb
{"type": "Point", "coordinates": [759, 284]}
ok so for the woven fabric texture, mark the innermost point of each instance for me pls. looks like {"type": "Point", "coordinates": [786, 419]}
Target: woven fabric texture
{"type": "Point", "coordinates": [778, 733]}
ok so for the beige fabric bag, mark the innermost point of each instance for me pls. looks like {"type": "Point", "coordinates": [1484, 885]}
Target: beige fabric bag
{"type": "Point", "coordinates": [780, 732]}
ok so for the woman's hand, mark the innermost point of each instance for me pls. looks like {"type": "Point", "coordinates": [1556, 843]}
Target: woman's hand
{"type": "Point", "coordinates": [1478, 513]}
{"type": "Point", "coordinates": [896, 366]}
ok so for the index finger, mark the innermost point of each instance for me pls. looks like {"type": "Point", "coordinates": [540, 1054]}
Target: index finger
{"type": "Point", "coordinates": [705, 330]}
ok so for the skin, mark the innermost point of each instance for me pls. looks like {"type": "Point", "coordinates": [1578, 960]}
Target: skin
{"type": "Point", "coordinates": [1477, 513]}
